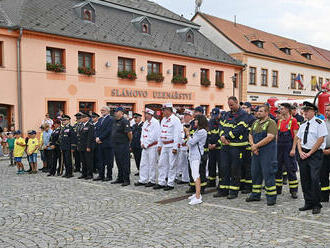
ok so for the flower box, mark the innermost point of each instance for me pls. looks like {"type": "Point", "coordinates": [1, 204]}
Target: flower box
{"type": "Point", "coordinates": [131, 75]}
{"type": "Point", "coordinates": [158, 77]}
{"type": "Point", "coordinates": [220, 85]}
{"type": "Point", "coordinates": [179, 80]}
{"type": "Point", "coordinates": [86, 71]}
{"type": "Point", "coordinates": [205, 82]}
{"type": "Point", "coordinates": [55, 67]}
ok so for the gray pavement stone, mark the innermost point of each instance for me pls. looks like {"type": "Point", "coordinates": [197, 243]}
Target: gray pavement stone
{"type": "Point", "coordinates": [38, 211]}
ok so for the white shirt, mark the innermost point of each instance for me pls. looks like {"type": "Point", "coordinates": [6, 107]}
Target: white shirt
{"type": "Point", "coordinates": [316, 130]}
{"type": "Point", "coordinates": [170, 131]}
{"type": "Point", "coordinates": [150, 132]}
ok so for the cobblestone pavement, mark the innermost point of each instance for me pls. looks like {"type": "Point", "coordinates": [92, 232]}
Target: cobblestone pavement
{"type": "Point", "coordinates": [38, 211]}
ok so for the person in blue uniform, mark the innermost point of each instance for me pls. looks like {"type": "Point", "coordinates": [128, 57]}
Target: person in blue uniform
{"type": "Point", "coordinates": [76, 153]}
{"type": "Point", "coordinates": [121, 137]}
{"type": "Point", "coordinates": [67, 144]}
{"type": "Point", "coordinates": [97, 157]}
{"type": "Point", "coordinates": [311, 143]}
{"type": "Point", "coordinates": [55, 148]}
{"type": "Point", "coordinates": [136, 140]}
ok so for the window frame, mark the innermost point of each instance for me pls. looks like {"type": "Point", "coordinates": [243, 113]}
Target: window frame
{"type": "Point", "coordinates": [124, 64]}
{"type": "Point", "coordinates": [221, 76]}
{"type": "Point", "coordinates": [176, 69]}
{"type": "Point", "coordinates": [262, 77]}
{"type": "Point", "coordinates": [92, 58]}
{"type": "Point", "coordinates": [1, 53]}
{"type": "Point", "coordinates": [152, 67]}
{"type": "Point", "coordinates": [255, 75]}
{"type": "Point", "coordinates": [205, 74]}
{"type": "Point", "coordinates": [52, 51]}
{"type": "Point", "coordinates": [302, 78]}
{"type": "Point", "coordinates": [275, 85]}
{"type": "Point", "coordinates": [86, 102]}
{"type": "Point", "coordinates": [293, 80]}
{"type": "Point", "coordinates": [313, 87]}
{"type": "Point", "coordinates": [320, 82]}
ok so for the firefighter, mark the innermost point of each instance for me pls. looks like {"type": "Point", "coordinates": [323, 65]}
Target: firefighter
{"type": "Point", "coordinates": [287, 130]}
{"type": "Point", "coordinates": [234, 138]}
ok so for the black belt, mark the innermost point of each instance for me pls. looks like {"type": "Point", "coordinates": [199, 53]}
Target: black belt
{"type": "Point", "coordinates": [308, 150]}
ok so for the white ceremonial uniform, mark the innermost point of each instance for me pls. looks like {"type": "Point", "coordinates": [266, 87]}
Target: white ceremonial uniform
{"type": "Point", "coordinates": [183, 166]}
{"type": "Point", "coordinates": [315, 131]}
{"type": "Point", "coordinates": [170, 139]}
{"type": "Point", "coordinates": [149, 139]}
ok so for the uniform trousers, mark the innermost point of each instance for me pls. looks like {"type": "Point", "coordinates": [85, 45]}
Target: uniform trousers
{"type": "Point", "coordinates": [49, 158]}
{"type": "Point", "coordinates": [324, 178]}
{"type": "Point", "coordinates": [106, 158]}
{"type": "Point", "coordinates": [148, 165]}
{"type": "Point", "coordinates": [214, 163]}
{"type": "Point", "coordinates": [246, 179]}
{"type": "Point", "coordinates": [183, 166]}
{"type": "Point", "coordinates": [87, 163]}
{"type": "Point", "coordinates": [55, 157]}
{"type": "Point", "coordinates": [137, 152]}
{"type": "Point", "coordinates": [77, 160]}
{"type": "Point", "coordinates": [123, 161]}
{"type": "Point", "coordinates": [231, 166]}
{"type": "Point", "coordinates": [67, 160]}
{"type": "Point", "coordinates": [310, 178]}
{"type": "Point", "coordinates": [167, 166]}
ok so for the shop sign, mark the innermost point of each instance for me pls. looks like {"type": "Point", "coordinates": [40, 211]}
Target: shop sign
{"type": "Point", "coordinates": [297, 92]}
{"type": "Point", "coordinates": [254, 98]}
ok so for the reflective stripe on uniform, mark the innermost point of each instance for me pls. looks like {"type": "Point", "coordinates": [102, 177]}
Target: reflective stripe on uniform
{"type": "Point", "coordinates": [223, 186]}
{"type": "Point", "coordinates": [325, 188]}
{"type": "Point", "coordinates": [231, 135]}
{"type": "Point", "coordinates": [239, 144]}
{"type": "Point", "coordinates": [271, 193]}
{"type": "Point", "coordinates": [256, 190]}
{"type": "Point", "coordinates": [256, 186]}
{"type": "Point", "coordinates": [212, 178]}
{"type": "Point", "coordinates": [248, 181]}
{"type": "Point", "coordinates": [234, 187]}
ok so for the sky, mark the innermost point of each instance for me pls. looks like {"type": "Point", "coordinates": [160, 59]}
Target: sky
{"type": "Point", "coordinates": [306, 21]}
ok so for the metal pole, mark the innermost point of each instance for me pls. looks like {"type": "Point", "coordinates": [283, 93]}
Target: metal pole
{"type": "Point", "coordinates": [19, 81]}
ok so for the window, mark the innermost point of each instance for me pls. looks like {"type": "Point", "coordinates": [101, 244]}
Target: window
{"type": "Point", "coordinates": [179, 70]}
{"type": "Point", "coordinates": [128, 107]}
{"type": "Point", "coordinates": [154, 67]}
{"type": "Point", "coordinates": [301, 86]}
{"type": "Point", "coordinates": [293, 81]}
{"type": "Point", "coordinates": [234, 79]}
{"type": "Point", "coordinates": [204, 75]}
{"type": "Point", "coordinates": [275, 78]}
{"type": "Point", "coordinates": [313, 82]}
{"type": "Point", "coordinates": [264, 77]}
{"type": "Point", "coordinates": [87, 15]}
{"type": "Point", "coordinates": [320, 82]}
{"type": "Point", "coordinates": [85, 60]}
{"type": "Point", "coordinates": [206, 109]}
{"type": "Point", "coordinates": [286, 50]}
{"type": "Point", "coordinates": [190, 37]}
{"type": "Point", "coordinates": [125, 64]}
{"type": "Point", "coordinates": [86, 106]}
{"type": "Point", "coordinates": [258, 43]}
{"type": "Point", "coordinates": [307, 55]}
{"type": "Point", "coordinates": [1, 53]}
{"type": "Point", "coordinates": [253, 75]}
{"type": "Point", "coordinates": [219, 76]}
{"type": "Point", "coordinates": [54, 107]}
{"type": "Point", "coordinates": [54, 56]}
{"type": "Point", "coordinates": [145, 28]}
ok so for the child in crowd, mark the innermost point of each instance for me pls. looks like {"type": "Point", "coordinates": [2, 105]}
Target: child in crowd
{"type": "Point", "coordinates": [11, 143]}
{"type": "Point", "coordinates": [42, 154]}
{"type": "Point", "coordinates": [1, 153]}
{"type": "Point", "coordinates": [27, 156]}
{"type": "Point", "coordinates": [32, 150]}
{"type": "Point", "coordinates": [19, 148]}
{"type": "Point", "coordinates": [4, 141]}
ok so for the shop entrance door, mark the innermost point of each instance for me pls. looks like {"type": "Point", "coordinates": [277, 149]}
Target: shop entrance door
{"type": "Point", "coordinates": [5, 116]}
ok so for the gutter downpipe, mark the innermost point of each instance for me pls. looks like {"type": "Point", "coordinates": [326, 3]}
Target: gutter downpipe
{"type": "Point", "coordinates": [19, 81]}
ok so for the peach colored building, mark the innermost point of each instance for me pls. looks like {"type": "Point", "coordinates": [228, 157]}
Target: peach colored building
{"type": "Point", "coordinates": [68, 57]}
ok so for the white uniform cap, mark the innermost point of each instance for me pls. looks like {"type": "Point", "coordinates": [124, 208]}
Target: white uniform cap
{"type": "Point", "coordinates": [174, 110]}
{"type": "Point", "coordinates": [149, 111]}
{"type": "Point", "coordinates": [188, 112]}
{"type": "Point", "coordinates": [168, 105]}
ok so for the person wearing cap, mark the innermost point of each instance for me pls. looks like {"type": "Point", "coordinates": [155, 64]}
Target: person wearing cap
{"type": "Point", "coordinates": [168, 144]}
{"type": "Point", "coordinates": [214, 147]}
{"type": "Point", "coordinates": [262, 138]}
{"type": "Point", "coordinates": [76, 154]}
{"type": "Point", "coordinates": [299, 118]}
{"type": "Point", "coordinates": [183, 164]}
{"type": "Point", "coordinates": [104, 143]}
{"type": "Point", "coordinates": [234, 138]}
{"type": "Point", "coordinates": [149, 140]}
{"type": "Point", "coordinates": [67, 141]}
{"type": "Point", "coordinates": [287, 130]}
{"type": "Point", "coordinates": [325, 169]}
{"type": "Point", "coordinates": [86, 145]}
{"type": "Point", "coordinates": [311, 143]}
{"type": "Point", "coordinates": [121, 137]}
{"type": "Point", "coordinates": [32, 151]}
{"type": "Point", "coordinates": [202, 168]}
{"type": "Point", "coordinates": [246, 179]}
{"type": "Point", "coordinates": [54, 149]}
{"type": "Point", "coordinates": [95, 117]}
{"type": "Point", "coordinates": [19, 148]}
{"type": "Point", "coordinates": [136, 144]}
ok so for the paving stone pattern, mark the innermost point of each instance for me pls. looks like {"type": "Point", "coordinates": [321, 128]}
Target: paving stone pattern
{"type": "Point", "coordinates": [38, 211]}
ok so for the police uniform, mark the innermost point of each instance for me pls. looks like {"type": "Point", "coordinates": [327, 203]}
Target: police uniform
{"type": "Point", "coordinates": [55, 152]}
{"type": "Point", "coordinates": [119, 136]}
{"type": "Point", "coordinates": [169, 139]}
{"type": "Point", "coordinates": [136, 143]}
{"type": "Point", "coordinates": [86, 140]}
{"type": "Point", "coordinates": [309, 132]}
{"type": "Point", "coordinates": [76, 154]}
{"type": "Point", "coordinates": [149, 141]}
{"type": "Point", "coordinates": [234, 128]}
{"type": "Point", "coordinates": [264, 164]}
{"type": "Point", "coordinates": [97, 154]}
{"type": "Point", "coordinates": [67, 144]}
{"type": "Point", "coordinates": [325, 169]}
{"type": "Point", "coordinates": [213, 138]}
{"type": "Point", "coordinates": [286, 163]}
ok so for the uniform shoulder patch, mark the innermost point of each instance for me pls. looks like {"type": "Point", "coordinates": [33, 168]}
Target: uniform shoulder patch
{"type": "Point", "coordinates": [318, 121]}
{"type": "Point", "coordinates": [303, 122]}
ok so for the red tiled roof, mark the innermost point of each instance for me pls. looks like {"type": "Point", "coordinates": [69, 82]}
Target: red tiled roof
{"type": "Point", "coordinates": [242, 36]}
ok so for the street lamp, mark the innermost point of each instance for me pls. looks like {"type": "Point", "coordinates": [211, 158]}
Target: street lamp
{"type": "Point", "coordinates": [234, 78]}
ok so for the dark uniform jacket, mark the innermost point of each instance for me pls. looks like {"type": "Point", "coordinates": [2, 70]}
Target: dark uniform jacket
{"type": "Point", "coordinates": [54, 138]}
{"type": "Point", "coordinates": [67, 138]}
{"type": "Point", "coordinates": [234, 127]}
{"type": "Point", "coordinates": [120, 128]}
{"type": "Point", "coordinates": [137, 131]}
{"type": "Point", "coordinates": [213, 135]}
{"type": "Point", "coordinates": [86, 137]}
{"type": "Point", "coordinates": [105, 130]}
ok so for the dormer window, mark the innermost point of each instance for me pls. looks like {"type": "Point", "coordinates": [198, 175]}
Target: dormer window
{"type": "Point", "coordinates": [258, 43]}
{"type": "Point", "coordinates": [186, 34]}
{"type": "Point", "coordinates": [142, 24]}
{"type": "Point", "coordinates": [190, 37]}
{"type": "Point", "coordinates": [307, 55]}
{"type": "Point", "coordinates": [286, 50]}
{"type": "Point", "coordinates": [145, 28]}
{"type": "Point", "coordinates": [87, 16]}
